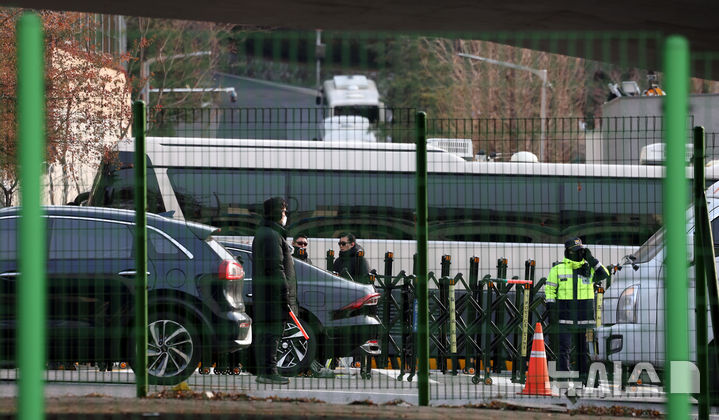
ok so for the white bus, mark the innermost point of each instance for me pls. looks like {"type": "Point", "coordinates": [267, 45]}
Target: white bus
{"type": "Point", "coordinates": [492, 210]}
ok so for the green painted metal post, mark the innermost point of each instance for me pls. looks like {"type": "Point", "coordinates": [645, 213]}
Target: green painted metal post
{"type": "Point", "coordinates": [700, 276]}
{"type": "Point", "coordinates": [31, 287]}
{"type": "Point", "coordinates": [139, 126]}
{"type": "Point", "coordinates": [676, 107]}
{"type": "Point", "coordinates": [422, 293]}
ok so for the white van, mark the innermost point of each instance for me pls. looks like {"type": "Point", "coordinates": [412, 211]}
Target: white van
{"type": "Point", "coordinates": [634, 309]}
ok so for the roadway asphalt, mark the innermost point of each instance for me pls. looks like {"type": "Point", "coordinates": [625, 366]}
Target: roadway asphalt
{"type": "Point", "coordinates": [268, 110]}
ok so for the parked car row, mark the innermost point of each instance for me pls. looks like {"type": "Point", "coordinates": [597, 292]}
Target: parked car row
{"type": "Point", "coordinates": [195, 308]}
{"type": "Point", "coordinates": [197, 296]}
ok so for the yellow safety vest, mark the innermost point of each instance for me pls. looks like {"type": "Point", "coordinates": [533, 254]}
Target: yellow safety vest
{"type": "Point", "coordinates": [561, 282]}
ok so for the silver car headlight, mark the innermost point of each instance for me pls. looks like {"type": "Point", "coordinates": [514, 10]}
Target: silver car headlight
{"type": "Point", "coordinates": [627, 305]}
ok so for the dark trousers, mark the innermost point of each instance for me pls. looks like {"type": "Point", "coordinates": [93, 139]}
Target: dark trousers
{"type": "Point", "coordinates": [265, 339]}
{"type": "Point", "coordinates": [565, 349]}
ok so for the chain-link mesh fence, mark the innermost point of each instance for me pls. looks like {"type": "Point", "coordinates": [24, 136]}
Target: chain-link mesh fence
{"type": "Point", "coordinates": [508, 184]}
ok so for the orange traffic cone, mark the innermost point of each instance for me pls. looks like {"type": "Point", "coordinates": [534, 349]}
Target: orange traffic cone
{"type": "Point", "coordinates": [537, 382]}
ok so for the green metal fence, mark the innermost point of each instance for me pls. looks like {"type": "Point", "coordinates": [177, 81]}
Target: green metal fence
{"type": "Point", "coordinates": [503, 183]}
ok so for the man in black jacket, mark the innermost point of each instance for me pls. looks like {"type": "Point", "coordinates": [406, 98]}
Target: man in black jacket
{"type": "Point", "coordinates": [351, 263]}
{"type": "Point", "coordinates": [274, 289]}
{"type": "Point", "coordinates": [301, 243]}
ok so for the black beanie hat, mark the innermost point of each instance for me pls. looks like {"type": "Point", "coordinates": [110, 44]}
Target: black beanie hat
{"type": "Point", "coordinates": [273, 208]}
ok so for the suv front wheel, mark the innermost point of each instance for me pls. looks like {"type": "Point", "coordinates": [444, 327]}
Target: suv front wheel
{"type": "Point", "coordinates": [173, 349]}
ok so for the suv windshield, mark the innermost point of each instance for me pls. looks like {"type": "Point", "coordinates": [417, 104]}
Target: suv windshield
{"type": "Point", "coordinates": [371, 112]}
{"type": "Point", "coordinates": [650, 248]}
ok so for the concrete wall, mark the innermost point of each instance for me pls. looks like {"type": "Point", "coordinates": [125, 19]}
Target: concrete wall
{"type": "Point", "coordinates": [632, 122]}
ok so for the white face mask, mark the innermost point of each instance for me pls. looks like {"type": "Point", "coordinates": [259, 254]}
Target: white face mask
{"type": "Point", "coordinates": [284, 220]}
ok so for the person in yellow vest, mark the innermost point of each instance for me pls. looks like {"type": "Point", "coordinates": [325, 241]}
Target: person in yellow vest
{"type": "Point", "coordinates": [569, 294]}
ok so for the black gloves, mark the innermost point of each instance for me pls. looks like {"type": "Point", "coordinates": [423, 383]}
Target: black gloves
{"type": "Point", "coordinates": [588, 257]}
{"type": "Point", "coordinates": [585, 270]}
{"type": "Point", "coordinates": [600, 272]}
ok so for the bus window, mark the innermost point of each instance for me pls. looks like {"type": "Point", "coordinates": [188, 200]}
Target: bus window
{"type": "Point", "coordinates": [115, 186]}
{"type": "Point", "coordinates": [227, 198]}
{"type": "Point", "coordinates": [370, 205]}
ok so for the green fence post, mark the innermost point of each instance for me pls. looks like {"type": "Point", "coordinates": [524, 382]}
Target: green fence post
{"type": "Point", "coordinates": [700, 275]}
{"type": "Point", "coordinates": [676, 68]}
{"type": "Point", "coordinates": [422, 295]}
{"type": "Point", "coordinates": [139, 126]}
{"type": "Point", "coordinates": [31, 287]}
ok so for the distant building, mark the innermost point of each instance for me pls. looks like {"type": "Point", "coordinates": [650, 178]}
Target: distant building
{"type": "Point", "coordinates": [629, 123]}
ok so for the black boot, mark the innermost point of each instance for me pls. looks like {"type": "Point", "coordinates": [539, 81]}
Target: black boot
{"type": "Point", "coordinates": [269, 373]}
{"type": "Point", "coordinates": [272, 379]}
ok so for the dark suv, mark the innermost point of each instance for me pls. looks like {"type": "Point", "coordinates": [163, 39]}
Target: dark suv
{"type": "Point", "coordinates": [195, 307]}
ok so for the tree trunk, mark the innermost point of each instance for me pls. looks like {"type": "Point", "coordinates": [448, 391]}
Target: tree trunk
{"type": "Point", "coordinates": [76, 180]}
{"type": "Point", "coordinates": [51, 185]}
{"type": "Point", "coordinates": [7, 195]}
{"type": "Point", "coordinates": [65, 184]}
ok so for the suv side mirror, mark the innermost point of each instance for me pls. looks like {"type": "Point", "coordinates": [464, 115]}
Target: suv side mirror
{"type": "Point", "coordinates": [82, 198]}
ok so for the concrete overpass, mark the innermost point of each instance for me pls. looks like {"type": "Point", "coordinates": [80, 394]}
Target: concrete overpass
{"type": "Point", "coordinates": [632, 27]}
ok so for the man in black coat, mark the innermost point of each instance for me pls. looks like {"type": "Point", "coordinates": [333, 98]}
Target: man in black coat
{"type": "Point", "coordinates": [350, 262]}
{"type": "Point", "coordinates": [274, 289]}
{"type": "Point", "coordinates": [301, 243]}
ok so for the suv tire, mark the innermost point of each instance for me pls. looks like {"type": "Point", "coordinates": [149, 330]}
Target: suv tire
{"type": "Point", "coordinates": [295, 354]}
{"type": "Point", "coordinates": [173, 349]}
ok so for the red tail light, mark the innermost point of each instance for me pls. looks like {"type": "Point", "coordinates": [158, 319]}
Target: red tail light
{"type": "Point", "coordinates": [368, 300]}
{"type": "Point", "coordinates": [231, 270]}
